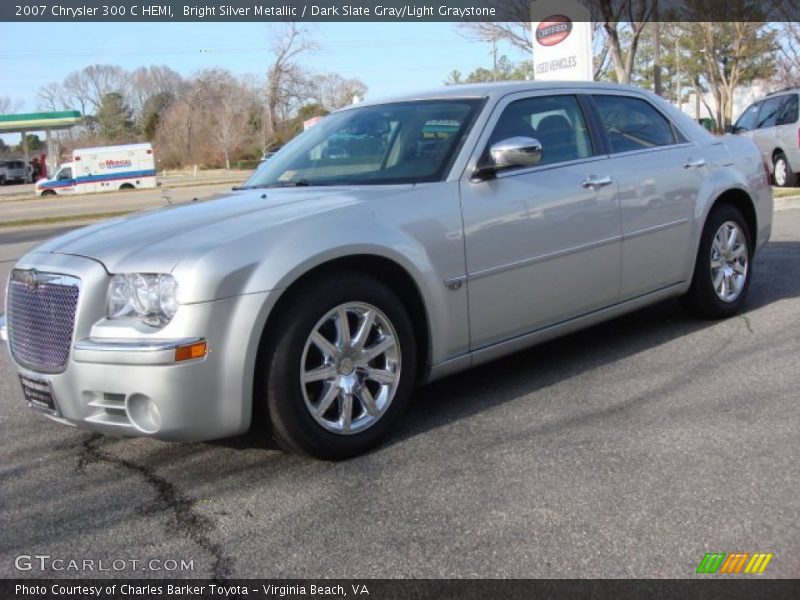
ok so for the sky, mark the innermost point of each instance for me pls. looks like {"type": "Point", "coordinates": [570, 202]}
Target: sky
{"type": "Point", "coordinates": [390, 58]}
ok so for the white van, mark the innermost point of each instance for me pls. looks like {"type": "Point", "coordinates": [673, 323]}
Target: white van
{"type": "Point", "coordinates": [104, 169]}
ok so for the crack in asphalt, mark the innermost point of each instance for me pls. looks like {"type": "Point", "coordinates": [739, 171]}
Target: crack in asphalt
{"type": "Point", "coordinates": [749, 325]}
{"type": "Point", "coordinates": [185, 520]}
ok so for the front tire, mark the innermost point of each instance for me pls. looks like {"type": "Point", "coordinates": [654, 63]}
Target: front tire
{"type": "Point", "coordinates": [723, 268]}
{"type": "Point", "coordinates": [339, 368]}
{"type": "Point", "coordinates": [782, 173]}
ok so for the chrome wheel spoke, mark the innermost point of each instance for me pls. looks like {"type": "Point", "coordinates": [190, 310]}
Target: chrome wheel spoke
{"type": "Point", "coordinates": [319, 374]}
{"type": "Point", "coordinates": [325, 346]}
{"type": "Point", "coordinates": [364, 328]}
{"type": "Point", "coordinates": [342, 328]}
{"type": "Point", "coordinates": [331, 393]}
{"type": "Point", "coordinates": [718, 280]}
{"type": "Point", "coordinates": [374, 351]}
{"type": "Point", "coordinates": [346, 418]}
{"type": "Point", "coordinates": [731, 241]}
{"type": "Point", "coordinates": [368, 401]}
{"type": "Point", "coordinates": [381, 376]}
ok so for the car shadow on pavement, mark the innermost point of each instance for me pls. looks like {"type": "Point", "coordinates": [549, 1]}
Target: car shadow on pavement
{"type": "Point", "coordinates": [776, 277]}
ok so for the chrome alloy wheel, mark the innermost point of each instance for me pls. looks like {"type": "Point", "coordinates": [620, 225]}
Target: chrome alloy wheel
{"type": "Point", "coordinates": [350, 368]}
{"type": "Point", "coordinates": [729, 261]}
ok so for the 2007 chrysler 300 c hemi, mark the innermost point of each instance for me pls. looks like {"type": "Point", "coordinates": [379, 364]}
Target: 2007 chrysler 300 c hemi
{"type": "Point", "coordinates": [392, 243]}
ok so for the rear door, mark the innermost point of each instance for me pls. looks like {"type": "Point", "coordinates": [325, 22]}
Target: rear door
{"type": "Point", "coordinates": [659, 173]}
{"type": "Point", "coordinates": [542, 243]}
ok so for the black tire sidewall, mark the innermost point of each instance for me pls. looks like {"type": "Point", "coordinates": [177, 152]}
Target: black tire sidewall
{"type": "Point", "coordinates": [292, 424]}
{"type": "Point", "coordinates": [702, 296]}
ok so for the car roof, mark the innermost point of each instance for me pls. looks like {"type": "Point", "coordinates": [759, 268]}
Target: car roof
{"type": "Point", "coordinates": [787, 90]}
{"type": "Point", "coordinates": [502, 88]}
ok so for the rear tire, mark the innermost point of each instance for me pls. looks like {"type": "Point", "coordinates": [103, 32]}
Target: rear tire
{"type": "Point", "coordinates": [324, 395]}
{"type": "Point", "coordinates": [782, 173]}
{"type": "Point", "coordinates": [126, 187]}
{"type": "Point", "coordinates": [723, 266]}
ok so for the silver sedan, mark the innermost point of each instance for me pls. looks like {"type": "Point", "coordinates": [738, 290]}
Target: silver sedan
{"type": "Point", "coordinates": [391, 244]}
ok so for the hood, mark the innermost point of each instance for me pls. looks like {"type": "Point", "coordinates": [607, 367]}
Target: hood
{"type": "Point", "coordinates": [157, 240]}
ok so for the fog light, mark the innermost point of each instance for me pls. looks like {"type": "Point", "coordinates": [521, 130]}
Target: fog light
{"type": "Point", "coordinates": [143, 413]}
{"type": "Point", "coordinates": [191, 351]}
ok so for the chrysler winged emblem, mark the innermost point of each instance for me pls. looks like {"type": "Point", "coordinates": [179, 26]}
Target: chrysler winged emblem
{"type": "Point", "coordinates": [29, 278]}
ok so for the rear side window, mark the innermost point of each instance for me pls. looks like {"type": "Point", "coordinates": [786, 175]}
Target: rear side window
{"type": "Point", "coordinates": [787, 115]}
{"type": "Point", "coordinates": [633, 124]}
{"type": "Point", "coordinates": [769, 112]}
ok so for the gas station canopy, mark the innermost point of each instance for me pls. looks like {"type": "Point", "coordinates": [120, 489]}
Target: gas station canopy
{"type": "Point", "coordinates": [43, 121]}
{"type": "Point", "coordinates": [39, 121]}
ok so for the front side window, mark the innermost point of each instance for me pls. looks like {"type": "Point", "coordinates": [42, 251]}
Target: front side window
{"type": "Point", "coordinates": [787, 115]}
{"type": "Point", "coordinates": [404, 142]}
{"type": "Point", "coordinates": [769, 112]}
{"type": "Point", "coordinates": [555, 121]}
{"type": "Point", "coordinates": [633, 124]}
{"type": "Point", "coordinates": [747, 120]}
{"type": "Point", "coordinates": [65, 173]}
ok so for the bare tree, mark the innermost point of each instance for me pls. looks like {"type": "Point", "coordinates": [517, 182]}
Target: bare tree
{"type": "Point", "coordinates": [516, 31]}
{"type": "Point", "coordinates": [7, 105]}
{"type": "Point", "coordinates": [623, 22]}
{"type": "Point", "coordinates": [788, 58]}
{"type": "Point", "coordinates": [147, 82]}
{"type": "Point", "coordinates": [226, 111]}
{"type": "Point", "coordinates": [287, 81]}
{"type": "Point", "coordinates": [333, 91]}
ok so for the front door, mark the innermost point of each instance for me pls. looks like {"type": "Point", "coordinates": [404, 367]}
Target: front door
{"type": "Point", "coordinates": [542, 243]}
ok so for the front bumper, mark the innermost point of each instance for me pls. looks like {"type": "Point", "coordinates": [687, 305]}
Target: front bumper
{"type": "Point", "coordinates": [124, 379]}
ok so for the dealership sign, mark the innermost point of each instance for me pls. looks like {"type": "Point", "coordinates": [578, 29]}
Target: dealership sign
{"type": "Point", "coordinates": [562, 46]}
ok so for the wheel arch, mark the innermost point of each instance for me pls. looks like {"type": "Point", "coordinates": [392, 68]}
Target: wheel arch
{"type": "Point", "coordinates": [741, 200]}
{"type": "Point", "coordinates": [385, 270]}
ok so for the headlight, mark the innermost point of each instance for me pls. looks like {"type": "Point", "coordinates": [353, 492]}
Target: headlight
{"type": "Point", "coordinates": [152, 297]}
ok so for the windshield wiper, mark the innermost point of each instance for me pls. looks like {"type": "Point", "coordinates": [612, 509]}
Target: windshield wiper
{"type": "Point", "coordinates": [296, 183]}
{"type": "Point", "coordinates": [279, 184]}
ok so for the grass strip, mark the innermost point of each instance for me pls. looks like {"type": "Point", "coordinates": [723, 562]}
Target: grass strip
{"type": "Point", "coordinates": [66, 218]}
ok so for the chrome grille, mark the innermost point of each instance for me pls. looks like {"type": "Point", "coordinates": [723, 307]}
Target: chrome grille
{"type": "Point", "coordinates": [41, 318]}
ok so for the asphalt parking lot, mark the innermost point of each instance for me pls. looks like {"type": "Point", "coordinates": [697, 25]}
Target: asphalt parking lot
{"type": "Point", "coordinates": [627, 450]}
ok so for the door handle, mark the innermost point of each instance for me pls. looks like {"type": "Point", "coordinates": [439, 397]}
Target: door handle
{"type": "Point", "coordinates": [694, 164]}
{"type": "Point", "coordinates": [596, 181]}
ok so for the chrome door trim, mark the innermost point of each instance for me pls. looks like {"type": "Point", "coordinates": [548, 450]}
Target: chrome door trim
{"type": "Point", "coordinates": [654, 228]}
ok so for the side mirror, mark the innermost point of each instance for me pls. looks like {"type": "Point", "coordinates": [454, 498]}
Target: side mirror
{"type": "Point", "coordinates": [510, 153]}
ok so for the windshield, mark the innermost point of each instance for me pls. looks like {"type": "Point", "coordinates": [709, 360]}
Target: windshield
{"type": "Point", "coordinates": [406, 142]}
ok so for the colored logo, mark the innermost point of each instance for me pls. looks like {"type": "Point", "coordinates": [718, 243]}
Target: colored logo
{"type": "Point", "coordinates": [553, 30]}
{"type": "Point", "coordinates": [734, 563]}
{"type": "Point", "coordinates": [116, 164]}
